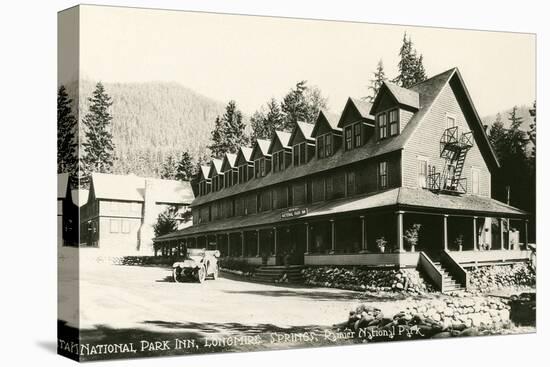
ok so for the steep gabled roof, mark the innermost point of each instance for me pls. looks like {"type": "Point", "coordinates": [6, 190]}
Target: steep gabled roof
{"type": "Point", "coordinates": [215, 167]}
{"type": "Point", "coordinates": [261, 148]}
{"type": "Point", "coordinates": [132, 188]}
{"type": "Point", "coordinates": [244, 155]}
{"type": "Point", "coordinates": [203, 171]}
{"type": "Point", "coordinates": [328, 118]}
{"type": "Point", "coordinates": [228, 162]}
{"type": "Point", "coordinates": [363, 108]}
{"type": "Point", "coordinates": [280, 136]}
{"type": "Point", "coordinates": [404, 96]}
{"type": "Point", "coordinates": [303, 128]}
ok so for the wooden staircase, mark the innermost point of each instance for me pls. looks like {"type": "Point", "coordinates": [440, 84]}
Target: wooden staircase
{"type": "Point", "coordinates": [450, 284]}
{"type": "Point", "coordinates": [283, 274]}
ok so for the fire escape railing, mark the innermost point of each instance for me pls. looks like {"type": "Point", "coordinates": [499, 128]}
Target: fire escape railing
{"type": "Point", "coordinates": [453, 148]}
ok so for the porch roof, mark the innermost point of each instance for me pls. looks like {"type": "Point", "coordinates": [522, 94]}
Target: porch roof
{"type": "Point", "coordinates": [399, 198]}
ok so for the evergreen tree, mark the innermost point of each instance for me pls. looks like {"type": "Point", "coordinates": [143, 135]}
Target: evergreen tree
{"type": "Point", "coordinates": [98, 146]}
{"type": "Point", "coordinates": [302, 103]}
{"type": "Point", "coordinates": [169, 168]}
{"type": "Point", "coordinates": [67, 156]}
{"type": "Point", "coordinates": [376, 81]}
{"type": "Point", "coordinates": [166, 222]}
{"type": "Point", "coordinates": [265, 121]}
{"type": "Point", "coordinates": [516, 137]}
{"type": "Point", "coordinates": [533, 129]}
{"type": "Point", "coordinates": [411, 68]}
{"type": "Point", "coordinates": [497, 136]}
{"type": "Point", "coordinates": [229, 132]}
{"type": "Point", "coordinates": [185, 168]}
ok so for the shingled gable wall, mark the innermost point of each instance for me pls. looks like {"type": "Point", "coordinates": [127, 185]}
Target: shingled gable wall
{"type": "Point", "coordinates": [425, 143]}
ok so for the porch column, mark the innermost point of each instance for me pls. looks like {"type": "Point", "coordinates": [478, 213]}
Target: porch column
{"type": "Point", "coordinates": [445, 236]}
{"type": "Point", "coordinates": [475, 233]}
{"type": "Point", "coordinates": [228, 244]}
{"type": "Point", "coordinates": [332, 237]}
{"type": "Point", "coordinates": [307, 238]}
{"type": "Point", "coordinates": [242, 244]}
{"type": "Point", "coordinates": [275, 241]}
{"type": "Point", "coordinates": [502, 233]}
{"type": "Point", "coordinates": [526, 224]}
{"type": "Point", "coordinates": [400, 231]}
{"type": "Point", "coordinates": [363, 234]}
{"type": "Point", "coordinates": [257, 243]}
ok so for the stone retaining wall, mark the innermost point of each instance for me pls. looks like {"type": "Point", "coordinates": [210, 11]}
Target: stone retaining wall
{"type": "Point", "coordinates": [488, 278]}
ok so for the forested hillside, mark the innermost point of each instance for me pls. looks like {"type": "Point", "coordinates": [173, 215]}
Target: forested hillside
{"type": "Point", "coordinates": [152, 120]}
{"type": "Point", "coordinates": [522, 111]}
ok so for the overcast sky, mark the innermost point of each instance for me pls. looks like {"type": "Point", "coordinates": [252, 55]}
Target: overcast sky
{"type": "Point", "coordinates": [251, 59]}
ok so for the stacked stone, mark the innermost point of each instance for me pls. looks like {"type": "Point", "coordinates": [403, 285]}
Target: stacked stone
{"type": "Point", "coordinates": [488, 278]}
{"type": "Point", "coordinates": [364, 279]}
{"type": "Point", "coordinates": [434, 318]}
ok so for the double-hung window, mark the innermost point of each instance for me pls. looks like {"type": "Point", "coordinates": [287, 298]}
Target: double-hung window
{"type": "Point", "coordinates": [394, 122]}
{"type": "Point", "coordinates": [382, 126]}
{"type": "Point", "coordinates": [348, 137]}
{"type": "Point", "coordinates": [321, 146]}
{"type": "Point", "coordinates": [382, 175]}
{"type": "Point", "coordinates": [422, 173]}
{"type": "Point", "coordinates": [328, 145]}
{"type": "Point", "coordinates": [357, 135]}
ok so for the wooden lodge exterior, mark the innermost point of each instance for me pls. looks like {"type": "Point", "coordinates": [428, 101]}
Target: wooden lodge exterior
{"type": "Point", "coordinates": [328, 193]}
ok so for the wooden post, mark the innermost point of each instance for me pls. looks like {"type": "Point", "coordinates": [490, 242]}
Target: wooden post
{"type": "Point", "coordinates": [242, 244]}
{"type": "Point", "coordinates": [307, 238]}
{"type": "Point", "coordinates": [228, 244]}
{"type": "Point", "coordinates": [275, 241]}
{"type": "Point", "coordinates": [332, 236]}
{"type": "Point", "coordinates": [475, 233]}
{"type": "Point", "coordinates": [400, 231]}
{"type": "Point", "coordinates": [363, 234]}
{"type": "Point", "coordinates": [526, 223]}
{"type": "Point", "coordinates": [257, 243]}
{"type": "Point", "coordinates": [502, 233]}
{"type": "Point", "coordinates": [445, 232]}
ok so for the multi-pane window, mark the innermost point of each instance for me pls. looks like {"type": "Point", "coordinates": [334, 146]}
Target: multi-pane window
{"type": "Point", "coordinates": [299, 154]}
{"type": "Point", "coordinates": [275, 162]}
{"type": "Point", "coordinates": [303, 148]}
{"type": "Point", "coordinates": [422, 173]}
{"type": "Point", "coordinates": [350, 183]}
{"type": "Point", "coordinates": [328, 145]}
{"type": "Point", "coordinates": [227, 179]}
{"type": "Point", "coordinates": [243, 173]}
{"type": "Point", "coordinates": [382, 126]}
{"type": "Point", "coordinates": [296, 155]}
{"type": "Point", "coordinates": [321, 146]}
{"type": "Point", "coordinates": [348, 138]}
{"type": "Point", "coordinates": [382, 175]}
{"type": "Point", "coordinates": [235, 179]}
{"type": "Point", "coordinates": [262, 167]}
{"type": "Point", "coordinates": [475, 181]}
{"type": "Point", "coordinates": [394, 122]}
{"type": "Point", "coordinates": [357, 135]}
{"type": "Point", "coordinates": [257, 168]}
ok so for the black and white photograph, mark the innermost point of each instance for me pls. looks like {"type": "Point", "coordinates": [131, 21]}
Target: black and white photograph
{"type": "Point", "coordinates": [232, 183]}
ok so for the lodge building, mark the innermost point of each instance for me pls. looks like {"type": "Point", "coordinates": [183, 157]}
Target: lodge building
{"type": "Point", "coordinates": [349, 189]}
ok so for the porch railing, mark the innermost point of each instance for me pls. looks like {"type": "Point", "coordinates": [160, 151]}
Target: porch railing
{"type": "Point", "coordinates": [455, 269]}
{"type": "Point", "coordinates": [427, 266]}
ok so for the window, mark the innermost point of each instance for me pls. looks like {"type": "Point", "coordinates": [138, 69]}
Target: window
{"type": "Point", "coordinates": [243, 173]}
{"type": "Point", "coordinates": [394, 122]}
{"type": "Point", "coordinates": [349, 141]}
{"type": "Point", "coordinates": [328, 145]}
{"type": "Point", "coordinates": [321, 146]}
{"type": "Point", "coordinates": [235, 178]}
{"type": "Point", "coordinates": [296, 155]}
{"type": "Point", "coordinates": [382, 126]}
{"type": "Point", "coordinates": [357, 135]}
{"type": "Point", "coordinates": [281, 157]}
{"type": "Point", "coordinates": [303, 153]}
{"type": "Point", "coordinates": [422, 172]}
{"type": "Point", "coordinates": [451, 121]}
{"type": "Point", "coordinates": [350, 183]}
{"type": "Point", "coordinates": [114, 225]}
{"type": "Point", "coordinates": [227, 179]}
{"type": "Point", "coordinates": [125, 226]}
{"type": "Point", "coordinates": [475, 181]}
{"type": "Point", "coordinates": [275, 162]}
{"type": "Point", "coordinates": [257, 169]}
{"type": "Point", "coordinates": [262, 167]}
{"type": "Point", "coordinates": [382, 175]}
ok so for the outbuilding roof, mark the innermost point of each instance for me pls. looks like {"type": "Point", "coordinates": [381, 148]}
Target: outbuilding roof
{"type": "Point", "coordinates": [132, 188]}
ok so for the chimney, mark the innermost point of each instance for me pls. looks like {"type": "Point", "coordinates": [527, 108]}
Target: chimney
{"type": "Point", "coordinates": [146, 233]}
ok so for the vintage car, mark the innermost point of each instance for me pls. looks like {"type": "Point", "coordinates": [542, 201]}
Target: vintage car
{"type": "Point", "coordinates": [198, 264]}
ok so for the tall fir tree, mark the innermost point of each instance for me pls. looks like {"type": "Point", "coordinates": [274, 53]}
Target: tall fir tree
{"type": "Point", "coordinates": [98, 145]}
{"type": "Point", "coordinates": [229, 132]}
{"type": "Point", "coordinates": [265, 121]}
{"type": "Point", "coordinates": [185, 169]}
{"type": "Point", "coordinates": [497, 136]}
{"type": "Point", "coordinates": [169, 168]}
{"type": "Point", "coordinates": [410, 66]}
{"type": "Point", "coordinates": [67, 145]}
{"type": "Point", "coordinates": [376, 82]}
{"type": "Point", "coordinates": [302, 103]}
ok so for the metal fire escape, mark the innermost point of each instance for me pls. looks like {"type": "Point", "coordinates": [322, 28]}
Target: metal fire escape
{"type": "Point", "coordinates": [453, 148]}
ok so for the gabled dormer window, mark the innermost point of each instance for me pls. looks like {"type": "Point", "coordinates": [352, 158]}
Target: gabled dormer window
{"type": "Point", "coordinates": [278, 161]}
{"type": "Point", "coordinates": [324, 146]}
{"type": "Point", "coordinates": [349, 139]}
{"type": "Point", "coordinates": [260, 169]}
{"type": "Point", "coordinates": [227, 178]}
{"type": "Point", "coordinates": [299, 154]}
{"type": "Point", "coordinates": [243, 173]}
{"type": "Point", "coordinates": [353, 136]}
{"type": "Point", "coordinates": [388, 123]}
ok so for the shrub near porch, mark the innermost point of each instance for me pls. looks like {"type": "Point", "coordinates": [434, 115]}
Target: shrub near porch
{"type": "Point", "coordinates": [367, 279]}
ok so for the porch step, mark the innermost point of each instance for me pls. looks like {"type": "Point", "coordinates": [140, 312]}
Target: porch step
{"type": "Point", "coordinates": [273, 274]}
{"type": "Point", "coordinates": [450, 284]}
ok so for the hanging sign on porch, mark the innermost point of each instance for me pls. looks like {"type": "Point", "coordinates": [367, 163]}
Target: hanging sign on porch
{"type": "Point", "coordinates": [293, 212]}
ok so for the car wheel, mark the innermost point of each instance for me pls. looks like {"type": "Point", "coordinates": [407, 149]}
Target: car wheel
{"type": "Point", "coordinates": [201, 274]}
{"type": "Point", "coordinates": [177, 274]}
{"type": "Point", "coordinates": [216, 273]}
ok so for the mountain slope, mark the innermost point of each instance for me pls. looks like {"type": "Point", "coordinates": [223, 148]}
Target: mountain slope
{"type": "Point", "coordinates": [152, 120]}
